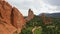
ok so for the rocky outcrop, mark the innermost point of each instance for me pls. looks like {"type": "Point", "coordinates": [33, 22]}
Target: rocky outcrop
{"type": "Point", "coordinates": [46, 21]}
{"type": "Point", "coordinates": [18, 19]}
{"type": "Point", "coordinates": [30, 15]}
{"type": "Point", "coordinates": [11, 20]}
{"type": "Point", "coordinates": [6, 29]}
{"type": "Point", "coordinates": [5, 11]}
{"type": "Point", "coordinates": [5, 18]}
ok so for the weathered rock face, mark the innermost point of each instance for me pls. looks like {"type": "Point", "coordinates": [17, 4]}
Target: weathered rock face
{"type": "Point", "coordinates": [2, 0]}
{"type": "Point", "coordinates": [5, 11]}
{"type": "Point", "coordinates": [6, 29]}
{"type": "Point", "coordinates": [11, 20]}
{"type": "Point", "coordinates": [5, 18]}
{"type": "Point", "coordinates": [18, 19]}
{"type": "Point", "coordinates": [30, 15]}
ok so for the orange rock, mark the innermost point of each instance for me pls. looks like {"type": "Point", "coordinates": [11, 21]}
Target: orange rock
{"type": "Point", "coordinates": [11, 20]}
{"type": "Point", "coordinates": [6, 29]}
{"type": "Point", "coordinates": [18, 19]}
{"type": "Point", "coordinates": [2, 0]}
{"type": "Point", "coordinates": [5, 11]}
{"type": "Point", "coordinates": [30, 15]}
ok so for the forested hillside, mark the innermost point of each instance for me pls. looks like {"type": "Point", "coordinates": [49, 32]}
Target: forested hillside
{"type": "Point", "coordinates": [42, 25]}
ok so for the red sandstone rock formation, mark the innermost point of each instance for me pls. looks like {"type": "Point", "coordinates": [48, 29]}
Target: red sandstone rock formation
{"type": "Point", "coordinates": [30, 15]}
{"type": "Point", "coordinates": [45, 20]}
{"type": "Point", "coordinates": [5, 18]}
{"type": "Point", "coordinates": [5, 11]}
{"type": "Point", "coordinates": [6, 29]}
{"type": "Point", "coordinates": [11, 20]}
{"type": "Point", "coordinates": [18, 19]}
{"type": "Point", "coordinates": [2, 0]}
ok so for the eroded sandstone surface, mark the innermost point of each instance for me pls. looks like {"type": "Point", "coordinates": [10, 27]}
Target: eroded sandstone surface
{"type": "Point", "coordinates": [11, 20]}
{"type": "Point", "coordinates": [30, 15]}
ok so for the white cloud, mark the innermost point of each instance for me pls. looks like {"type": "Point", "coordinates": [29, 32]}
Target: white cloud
{"type": "Point", "coordinates": [38, 6]}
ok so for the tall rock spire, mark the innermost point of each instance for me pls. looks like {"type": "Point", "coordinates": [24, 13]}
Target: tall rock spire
{"type": "Point", "coordinates": [30, 15]}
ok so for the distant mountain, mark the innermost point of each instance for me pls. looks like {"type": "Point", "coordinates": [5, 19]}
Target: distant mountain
{"type": "Point", "coordinates": [55, 15]}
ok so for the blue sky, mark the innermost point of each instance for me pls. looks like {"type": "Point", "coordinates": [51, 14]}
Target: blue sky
{"type": "Point", "coordinates": [38, 6]}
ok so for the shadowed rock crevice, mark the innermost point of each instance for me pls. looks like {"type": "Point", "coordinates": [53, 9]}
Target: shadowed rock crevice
{"type": "Point", "coordinates": [1, 16]}
{"type": "Point", "coordinates": [12, 17]}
